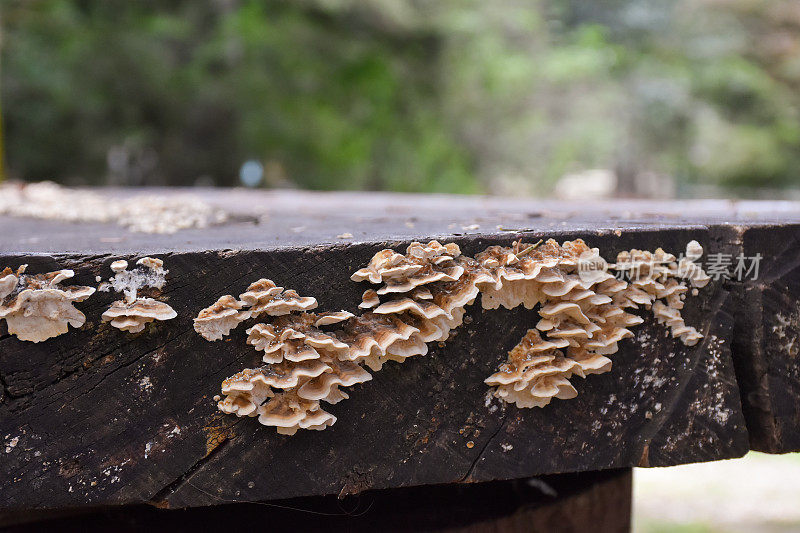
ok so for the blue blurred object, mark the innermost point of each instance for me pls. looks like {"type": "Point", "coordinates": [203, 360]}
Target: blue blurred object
{"type": "Point", "coordinates": [251, 173]}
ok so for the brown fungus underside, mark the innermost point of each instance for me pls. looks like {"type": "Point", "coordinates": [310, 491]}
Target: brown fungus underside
{"type": "Point", "coordinates": [422, 296]}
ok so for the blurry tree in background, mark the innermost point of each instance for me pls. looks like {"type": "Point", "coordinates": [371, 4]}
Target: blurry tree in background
{"type": "Point", "coordinates": [172, 92]}
{"type": "Point", "coordinates": [453, 95]}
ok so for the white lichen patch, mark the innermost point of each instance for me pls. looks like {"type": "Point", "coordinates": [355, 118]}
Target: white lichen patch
{"type": "Point", "coordinates": [786, 332]}
{"type": "Point", "coordinates": [36, 307]}
{"type": "Point", "coordinates": [134, 312]}
{"type": "Point", "coordinates": [711, 401]}
{"type": "Point", "coordinates": [145, 384]}
{"type": "Point", "coordinates": [488, 402]}
{"type": "Point", "coordinates": [145, 214]}
{"type": "Point", "coordinates": [421, 300]}
{"type": "Point", "coordinates": [149, 273]}
{"type": "Point", "coordinates": [11, 444]}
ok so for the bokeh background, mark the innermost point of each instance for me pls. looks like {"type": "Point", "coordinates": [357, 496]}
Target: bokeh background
{"type": "Point", "coordinates": [647, 98]}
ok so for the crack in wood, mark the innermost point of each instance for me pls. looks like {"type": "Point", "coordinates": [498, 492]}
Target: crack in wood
{"type": "Point", "coordinates": [500, 426]}
{"type": "Point", "coordinates": [161, 498]}
{"type": "Point", "coordinates": [57, 395]}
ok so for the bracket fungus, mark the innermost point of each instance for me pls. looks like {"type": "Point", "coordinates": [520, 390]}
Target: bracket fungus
{"type": "Point", "coordinates": [583, 303]}
{"type": "Point", "coordinates": [218, 319]}
{"type": "Point", "coordinates": [132, 313]}
{"type": "Point", "coordinates": [261, 297]}
{"type": "Point", "coordinates": [36, 307]}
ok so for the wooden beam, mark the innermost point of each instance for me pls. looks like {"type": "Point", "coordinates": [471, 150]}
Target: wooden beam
{"type": "Point", "coordinates": [767, 340]}
{"type": "Point", "coordinates": [99, 416]}
{"type": "Point", "coordinates": [587, 501]}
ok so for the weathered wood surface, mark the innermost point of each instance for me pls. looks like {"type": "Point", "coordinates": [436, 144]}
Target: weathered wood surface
{"type": "Point", "coordinates": [282, 219]}
{"type": "Point", "coordinates": [99, 416]}
{"type": "Point", "coordinates": [588, 501]}
{"type": "Point", "coordinates": [767, 343]}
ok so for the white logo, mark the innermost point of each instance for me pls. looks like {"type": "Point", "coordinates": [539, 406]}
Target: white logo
{"type": "Point", "coordinates": [591, 267]}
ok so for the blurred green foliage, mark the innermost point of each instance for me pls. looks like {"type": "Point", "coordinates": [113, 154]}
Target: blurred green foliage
{"type": "Point", "coordinates": [453, 95]}
{"type": "Point", "coordinates": [192, 89]}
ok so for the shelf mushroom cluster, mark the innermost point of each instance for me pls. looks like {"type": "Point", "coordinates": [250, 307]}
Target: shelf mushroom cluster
{"type": "Point", "coordinates": [36, 307]}
{"type": "Point", "coordinates": [302, 358]}
{"type": "Point", "coordinates": [582, 302]}
{"type": "Point", "coordinates": [583, 309]}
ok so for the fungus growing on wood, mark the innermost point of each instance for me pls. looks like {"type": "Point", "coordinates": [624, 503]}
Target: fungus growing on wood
{"type": "Point", "coordinates": [293, 338]}
{"type": "Point", "coordinates": [36, 307]}
{"type": "Point", "coordinates": [537, 371]}
{"type": "Point", "coordinates": [369, 299]}
{"type": "Point", "coordinates": [423, 295]}
{"type": "Point", "coordinates": [217, 320]}
{"type": "Point", "coordinates": [134, 312]}
{"type": "Point", "coordinates": [326, 319]}
{"type": "Point", "coordinates": [658, 282]}
{"type": "Point", "coordinates": [421, 265]}
{"type": "Point", "coordinates": [133, 316]}
{"type": "Point", "coordinates": [306, 362]}
{"type": "Point", "coordinates": [9, 280]}
{"type": "Point", "coordinates": [262, 297]}
{"type": "Point", "coordinates": [148, 274]}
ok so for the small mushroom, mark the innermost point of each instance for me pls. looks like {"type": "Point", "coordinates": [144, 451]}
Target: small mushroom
{"type": "Point", "coordinates": [326, 319]}
{"type": "Point", "coordinates": [151, 262]}
{"type": "Point", "coordinates": [217, 320]}
{"type": "Point", "coordinates": [369, 299]}
{"type": "Point", "coordinates": [9, 280]}
{"type": "Point", "coordinates": [133, 316]}
{"type": "Point", "coordinates": [264, 297]}
{"type": "Point", "coordinates": [149, 273]}
{"type": "Point", "coordinates": [285, 303]}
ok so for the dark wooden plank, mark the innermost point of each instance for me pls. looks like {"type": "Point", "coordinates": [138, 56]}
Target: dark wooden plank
{"type": "Point", "coordinates": [590, 501]}
{"type": "Point", "coordinates": [102, 417]}
{"type": "Point", "coordinates": [767, 341]}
